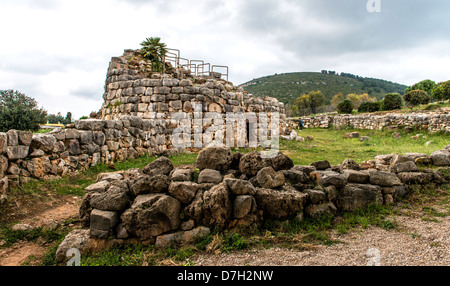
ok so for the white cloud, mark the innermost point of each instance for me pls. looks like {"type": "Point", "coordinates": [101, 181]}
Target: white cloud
{"type": "Point", "coordinates": [58, 51]}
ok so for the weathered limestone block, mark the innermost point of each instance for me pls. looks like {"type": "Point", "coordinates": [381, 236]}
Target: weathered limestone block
{"type": "Point", "coordinates": [45, 142]}
{"type": "Point", "coordinates": [328, 178]}
{"type": "Point", "coordinates": [181, 174]}
{"type": "Point", "coordinates": [150, 184]}
{"type": "Point", "coordinates": [151, 215]}
{"type": "Point", "coordinates": [215, 158]}
{"type": "Point", "coordinates": [280, 204]}
{"type": "Point", "coordinates": [440, 158]}
{"type": "Point", "coordinates": [321, 165]}
{"type": "Point", "coordinates": [357, 196]}
{"type": "Point", "coordinates": [102, 223]}
{"type": "Point", "coordinates": [240, 187]}
{"type": "Point", "coordinates": [209, 176]}
{"type": "Point", "coordinates": [383, 179]}
{"type": "Point", "coordinates": [415, 178]}
{"type": "Point", "coordinates": [182, 237]}
{"type": "Point", "coordinates": [252, 162]}
{"type": "Point", "coordinates": [243, 205]}
{"type": "Point", "coordinates": [114, 199]}
{"type": "Point", "coordinates": [3, 166]}
{"type": "Point", "coordinates": [316, 196]}
{"type": "Point", "coordinates": [38, 167]}
{"type": "Point", "coordinates": [357, 177]}
{"type": "Point", "coordinates": [183, 191]}
{"type": "Point", "coordinates": [17, 152]}
{"type": "Point", "coordinates": [269, 179]}
{"type": "Point", "coordinates": [90, 124]}
{"type": "Point", "coordinates": [323, 209]}
{"type": "Point", "coordinates": [161, 165]}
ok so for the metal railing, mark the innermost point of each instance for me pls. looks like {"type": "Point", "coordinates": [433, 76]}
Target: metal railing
{"type": "Point", "coordinates": [196, 68]}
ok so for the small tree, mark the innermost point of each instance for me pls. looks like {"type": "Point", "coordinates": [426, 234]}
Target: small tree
{"type": "Point", "coordinates": [20, 112]}
{"type": "Point", "coordinates": [416, 97]}
{"type": "Point", "coordinates": [312, 100]}
{"type": "Point", "coordinates": [345, 107]}
{"type": "Point", "coordinates": [441, 91]}
{"type": "Point", "coordinates": [392, 101]}
{"type": "Point", "coordinates": [338, 98]}
{"type": "Point", "coordinates": [154, 51]}
{"type": "Point", "coordinates": [425, 85]}
{"type": "Point", "coordinates": [369, 107]}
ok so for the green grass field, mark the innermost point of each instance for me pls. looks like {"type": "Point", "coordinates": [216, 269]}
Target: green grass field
{"type": "Point", "coordinates": [328, 144]}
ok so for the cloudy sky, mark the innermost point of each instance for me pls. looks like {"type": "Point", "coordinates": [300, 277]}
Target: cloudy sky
{"type": "Point", "coordinates": [57, 51]}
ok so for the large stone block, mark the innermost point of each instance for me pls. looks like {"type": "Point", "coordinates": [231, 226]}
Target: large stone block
{"type": "Point", "coordinates": [45, 142]}
{"type": "Point", "coordinates": [328, 178]}
{"type": "Point", "coordinates": [183, 191]}
{"type": "Point", "coordinates": [240, 187]}
{"type": "Point", "coordinates": [162, 165]}
{"type": "Point", "coordinates": [383, 179]}
{"type": "Point", "coordinates": [252, 162]}
{"type": "Point", "coordinates": [17, 152]}
{"type": "Point", "coordinates": [209, 176]}
{"type": "Point", "coordinates": [357, 196]}
{"type": "Point", "coordinates": [215, 158]}
{"type": "Point", "coordinates": [114, 199]}
{"type": "Point", "coordinates": [280, 204]}
{"type": "Point", "coordinates": [440, 158]}
{"type": "Point", "coordinates": [150, 184]}
{"type": "Point", "coordinates": [102, 223]}
{"type": "Point", "coordinates": [268, 178]}
{"type": "Point", "coordinates": [151, 215]}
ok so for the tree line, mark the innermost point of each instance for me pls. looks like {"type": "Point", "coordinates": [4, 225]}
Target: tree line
{"type": "Point", "coordinates": [21, 112]}
{"type": "Point", "coordinates": [420, 93]}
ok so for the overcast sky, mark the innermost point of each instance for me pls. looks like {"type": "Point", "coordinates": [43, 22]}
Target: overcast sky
{"type": "Point", "coordinates": [58, 51]}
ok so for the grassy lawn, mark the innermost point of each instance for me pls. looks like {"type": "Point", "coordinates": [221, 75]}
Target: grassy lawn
{"type": "Point", "coordinates": [328, 144]}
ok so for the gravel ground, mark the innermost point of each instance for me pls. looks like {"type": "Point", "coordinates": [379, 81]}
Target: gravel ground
{"type": "Point", "coordinates": [415, 242]}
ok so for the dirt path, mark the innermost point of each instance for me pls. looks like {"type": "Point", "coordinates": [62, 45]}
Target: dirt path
{"type": "Point", "coordinates": [36, 214]}
{"type": "Point", "coordinates": [415, 243]}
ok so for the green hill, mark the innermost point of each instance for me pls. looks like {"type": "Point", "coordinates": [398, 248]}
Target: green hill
{"type": "Point", "coordinates": [287, 87]}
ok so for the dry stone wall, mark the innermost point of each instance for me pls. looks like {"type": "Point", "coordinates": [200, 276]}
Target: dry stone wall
{"type": "Point", "coordinates": [431, 121]}
{"type": "Point", "coordinates": [86, 143]}
{"type": "Point", "coordinates": [162, 204]}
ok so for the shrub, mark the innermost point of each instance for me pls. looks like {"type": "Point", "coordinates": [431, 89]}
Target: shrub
{"type": "Point", "coordinates": [345, 106]}
{"type": "Point", "coordinates": [20, 112]}
{"type": "Point", "coordinates": [441, 92]}
{"type": "Point", "coordinates": [416, 97]}
{"type": "Point", "coordinates": [392, 101]}
{"type": "Point", "coordinates": [425, 85]}
{"type": "Point", "coordinates": [369, 107]}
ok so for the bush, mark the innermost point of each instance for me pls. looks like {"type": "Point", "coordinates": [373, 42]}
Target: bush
{"type": "Point", "coordinates": [416, 97]}
{"type": "Point", "coordinates": [392, 101]}
{"type": "Point", "coordinates": [369, 107]}
{"type": "Point", "coordinates": [345, 107]}
{"type": "Point", "coordinates": [441, 92]}
{"type": "Point", "coordinates": [20, 112]}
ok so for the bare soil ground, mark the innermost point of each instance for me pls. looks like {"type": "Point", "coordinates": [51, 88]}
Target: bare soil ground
{"type": "Point", "coordinates": [49, 211]}
{"type": "Point", "coordinates": [415, 243]}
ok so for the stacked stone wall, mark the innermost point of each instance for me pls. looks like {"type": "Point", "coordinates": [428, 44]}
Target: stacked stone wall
{"type": "Point", "coordinates": [431, 121]}
{"type": "Point", "coordinates": [163, 204]}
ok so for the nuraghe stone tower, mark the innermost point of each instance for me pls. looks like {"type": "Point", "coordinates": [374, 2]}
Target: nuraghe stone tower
{"type": "Point", "coordinates": [131, 89]}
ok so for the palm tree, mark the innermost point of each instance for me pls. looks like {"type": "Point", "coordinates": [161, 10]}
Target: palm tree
{"type": "Point", "coordinates": [154, 51]}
